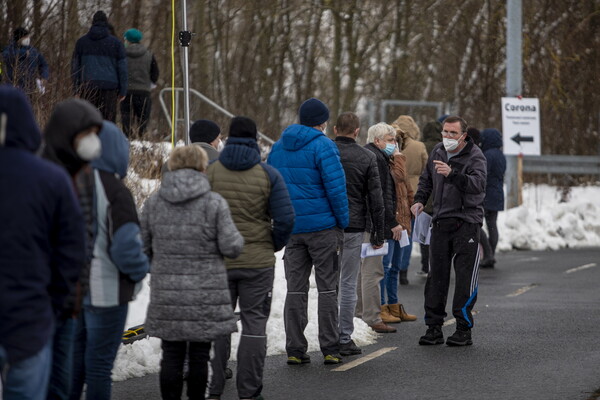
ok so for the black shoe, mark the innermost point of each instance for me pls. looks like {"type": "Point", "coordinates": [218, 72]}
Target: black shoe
{"type": "Point", "coordinates": [332, 359]}
{"type": "Point", "coordinates": [303, 359]}
{"type": "Point", "coordinates": [403, 277]}
{"type": "Point", "coordinates": [460, 338]}
{"type": "Point", "coordinates": [433, 336]}
{"type": "Point", "coordinates": [487, 263]}
{"type": "Point", "coordinates": [228, 373]}
{"type": "Point", "coordinates": [349, 349]}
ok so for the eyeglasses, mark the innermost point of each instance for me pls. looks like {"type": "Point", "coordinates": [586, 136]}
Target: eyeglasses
{"type": "Point", "coordinates": [450, 133]}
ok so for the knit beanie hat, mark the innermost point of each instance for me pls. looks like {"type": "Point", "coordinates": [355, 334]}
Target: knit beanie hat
{"type": "Point", "coordinates": [20, 33]}
{"type": "Point", "coordinates": [313, 112]}
{"type": "Point", "coordinates": [133, 35]}
{"type": "Point", "coordinates": [99, 16]}
{"type": "Point", "coordinates": [242, 127]}
{"type": "Point", "coordinates": [204, 131]}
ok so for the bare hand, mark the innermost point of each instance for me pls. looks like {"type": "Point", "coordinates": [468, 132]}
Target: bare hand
{"type": "Point", "coordinates": [121, 98]}
{"type": "Point", "coordinates": [416, 208]}
{"type": "Point", "coordinates": [442, 168]}
{"type": "Point", "coordinates": [375, 247]}
{"type": "Point", "coordinates": [397, 232]}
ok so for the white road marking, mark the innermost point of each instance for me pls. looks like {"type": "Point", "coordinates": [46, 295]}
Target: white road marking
{"type": "Point", "coordinates": [586, 266]}
{"type": "Point", "coordinates": [453, 320]}
{"type": "Point", "coordinates": [522, 290]}
{"type": "Point", "coordinates": [364, 359]}
{"type": "Point", "coordinates": [528, 259]}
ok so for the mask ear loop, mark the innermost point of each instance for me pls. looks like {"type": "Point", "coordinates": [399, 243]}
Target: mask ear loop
{"type": "Point", "coordinates": [3, 120]}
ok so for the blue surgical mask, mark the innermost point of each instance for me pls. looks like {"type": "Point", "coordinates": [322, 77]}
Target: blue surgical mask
{"type": "Point", "coordinates": [389, 149]}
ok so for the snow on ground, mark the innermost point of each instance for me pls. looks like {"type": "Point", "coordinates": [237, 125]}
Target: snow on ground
{"type": "Point", "coordinates": [542, 222]}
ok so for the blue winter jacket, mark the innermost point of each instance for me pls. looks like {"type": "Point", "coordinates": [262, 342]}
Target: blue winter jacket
{"type": "Point", "coordinates": [310, 165]}
{"type": "Point", "coordinates": [491, 143]}
{"type": "Point", "coordinates": [119, 261]}
{"type": "Point", "coordinates": [23, 65]}
{"type": "Point", "coordinates": [41, 233]}
{"type": "Point", "coordinates": [99, 60]}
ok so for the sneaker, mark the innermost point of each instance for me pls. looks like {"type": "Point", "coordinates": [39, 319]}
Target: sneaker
{"type": "Point", "coordinates": [332, 359]}
{"type": "Point", "coordinates": [433, 336]}
{"type": "Point", "coordinates": [460, 338]}
{"type": "Point", "coordinates": [421, 274]}
{"type": "Point", "coordinates": [349, 349]}
{"type": "Point", "coordinates": [487, 263]}
{"type": "Point", "coordinates": [303, 359]}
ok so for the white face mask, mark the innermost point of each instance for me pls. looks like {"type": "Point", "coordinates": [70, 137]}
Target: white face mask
{"type": "Point", "coordinates": [25, 42]}
{"type": "Point", "coordinates": [220, 146]}
{"type": "Point", "coordinates": [450, 144]}
{"type": "Point", "coordinates": [89, 147]}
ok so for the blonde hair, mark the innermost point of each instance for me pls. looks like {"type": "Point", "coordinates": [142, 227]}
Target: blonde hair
{"type": "Point", "coordinates": [379, 131]}
{"type": "Point", "coordinates": [192, 156]}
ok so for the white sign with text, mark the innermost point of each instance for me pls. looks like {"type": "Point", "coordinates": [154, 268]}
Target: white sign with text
{"type": "Point", "coordinates": [521, 126]}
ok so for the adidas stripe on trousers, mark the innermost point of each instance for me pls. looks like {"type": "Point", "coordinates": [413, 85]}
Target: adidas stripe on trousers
{"type": "Point", "coordinates": [452, 243]}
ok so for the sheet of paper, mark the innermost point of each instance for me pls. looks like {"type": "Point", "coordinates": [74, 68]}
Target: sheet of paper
{"type": "Point", "coordinates": [422, 229]}
{"type": "Point", "coordinates": [367, 250]}
{"type": "Point", "coordinates": [404, 239]}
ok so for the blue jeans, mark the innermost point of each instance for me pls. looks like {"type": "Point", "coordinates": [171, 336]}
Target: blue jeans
{"type": "Point", "coordinates": [391, 269]}
{"type": "Point", "coordinates": [62, 360]}
{"type": "Point", "coordinates": [97, 339]}
{"type": "Point", "coordinates": [27, 379]}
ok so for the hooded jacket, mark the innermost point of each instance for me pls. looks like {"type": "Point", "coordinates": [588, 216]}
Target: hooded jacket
{"type": "Point", "coordinates": [41, 231]}
{"type": "Point", "coordinates": [258, 199]}
{"type": "Point", "coordinates": [412, 148]}
{"type": "Point", "coordinates": [99, 60]}
{"type": "Point", "coordinates": [310, 165]}
{"type": "Point", "coordinates": [142, 69]}
{"type": "Point", "coordinates": [187, 229]}
{"type": "Point", "coordinates": [24, 64]}
{"type": "Point", "coordinates": [119, 261]}
{"type": "Point", "coordinates": [460, 194]}
{"type": "Point", "coordinates": [491, 144]}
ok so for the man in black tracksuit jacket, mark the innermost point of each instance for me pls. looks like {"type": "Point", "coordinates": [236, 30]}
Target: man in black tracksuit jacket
{"type": "Point", "coordinates": [456, 176]}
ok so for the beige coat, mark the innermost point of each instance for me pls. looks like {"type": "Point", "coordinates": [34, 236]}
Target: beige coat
{"type": "Point", "coordinates": [412, 148]}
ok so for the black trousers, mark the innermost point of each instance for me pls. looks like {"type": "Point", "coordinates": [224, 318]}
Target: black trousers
{"type": "Point", "coordinates": [103, 99]}
{"type": "Point", "coordinates": [135, 113]}
{"type": "Point", "coordinates": [171, 369]}
{"type": "Point", "coordinates": [453, 242]}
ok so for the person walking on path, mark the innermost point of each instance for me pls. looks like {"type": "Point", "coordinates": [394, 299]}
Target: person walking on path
{"type": "Point", "coordinates": [416, 159]}
{"type": "Point", "coordinates": [456, 176]}
{"type": "Point", "coordinates": [187, 230]}
{"type": "Point", "coordinates": [42, 253]}
{"type": "Point", "coordinates": [365, 202]}
{"type": "Point", "coordinates": [310, 165]}
{"type": "Point", "coordinates": [207, 134]}
{"type": "Point", "coordinates": [99, 68]}
{"type": "Point", "coordinates": [142, 75]}
{"type": "Point", "coordinates": [262, 211]}
{"type": "Point", "coordinates": [491, 145]}
{"type": "Point", "coordinates": [25, 66]}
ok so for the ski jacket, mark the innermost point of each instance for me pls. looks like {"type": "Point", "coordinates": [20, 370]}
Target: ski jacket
{"type": "Point", "coordinates": [24, 64]}
{"type": "Point", "coordinates": [142, 69]}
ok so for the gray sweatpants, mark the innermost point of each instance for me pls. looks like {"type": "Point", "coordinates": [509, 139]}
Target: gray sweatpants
{"type": "Point", "coordinates": [253, 288]}
{"type": "Point", "coordinates": [368, 306]}
{"type": "Point", "coordinates": [321, 249]}
{"type": "Point", "coordinates": [349, 273]}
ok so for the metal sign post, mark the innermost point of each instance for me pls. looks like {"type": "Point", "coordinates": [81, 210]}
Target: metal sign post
{"type": "Point", "coordinates": [185, 38]}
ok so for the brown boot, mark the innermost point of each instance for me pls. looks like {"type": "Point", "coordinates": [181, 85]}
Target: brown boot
{"type": "Point", "coordinates": [388, 318]}
{"type": "Point", "coordinates": [382, 328]}
{"type": "Point", "coordinates": [397, 310]}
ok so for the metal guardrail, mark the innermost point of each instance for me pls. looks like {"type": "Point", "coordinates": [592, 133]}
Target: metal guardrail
{"type": "Point", "coordinates": [202, 97]}
{"type": "Point", "coordinates": [559, 164]}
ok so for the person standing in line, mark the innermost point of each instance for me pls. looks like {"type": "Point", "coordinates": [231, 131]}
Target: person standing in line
{"type": "Point", "coordinates": [99, 68]}
{"type": "Point", "coordinates": [142, 75]}
{"type": "Point", "coordinates": [71, 137]}
{"type": "Point", "coordinates": [365, 202]}
{"type": "Point", "coordinates": [382, 143]}
{"type": "Point", "coordinates": [392, 261]}
{"type": "Point", "coordinates": [310, 165]}
{"type": "Point", "coordinates": [26, 67]}
{"type": "Point", "coordinates": [117, 269]}
{"type": "Point", "coordinates": [491, 145]}
{"type": "Point", "coordinates": [262, 211]}
{"type": "Point", "coordinates": [431, 137]}
{"type": "Point", "coordinates": [207, 134]}
{"type": "Point", "coordinates": [187, 230]}
{"type": "Point", "coordinates": [416, 159]}
{"type": "Point", "coordinates": [456, 176]}
{"type": "Point", "coordinates": [42, 253]}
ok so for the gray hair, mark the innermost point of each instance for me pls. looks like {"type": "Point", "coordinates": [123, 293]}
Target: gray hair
{"type": "Point", "coordinates": [379, 131]}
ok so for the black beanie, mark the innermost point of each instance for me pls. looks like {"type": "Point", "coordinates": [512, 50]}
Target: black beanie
{"type": "Point", "coordinates": [99, 16]}
{"type": "Point", "coordinates": [204, 131]}
{"type": "Point", "coordinates": [20, 33]}
{"type": "Point", "coordinates": [242, 127]}
{"type": "Point", "coordinates": [313, 112]}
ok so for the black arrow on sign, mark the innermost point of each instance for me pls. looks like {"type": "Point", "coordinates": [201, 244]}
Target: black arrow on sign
{"type": "Point", "coordinates": [518, 138]}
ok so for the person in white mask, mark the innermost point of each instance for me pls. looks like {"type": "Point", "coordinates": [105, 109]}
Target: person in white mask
{"type": "Point", "coordinates": [25, 66]}
{"type": "Point", "coordinates": [455, 176]}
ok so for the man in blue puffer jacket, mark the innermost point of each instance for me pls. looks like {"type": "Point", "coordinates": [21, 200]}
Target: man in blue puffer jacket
{"type": "Point", "coordinates": [310, 165]}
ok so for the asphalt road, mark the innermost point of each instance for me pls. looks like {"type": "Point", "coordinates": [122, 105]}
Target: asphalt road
{"type": "Point", "coordinates": [536, 337]}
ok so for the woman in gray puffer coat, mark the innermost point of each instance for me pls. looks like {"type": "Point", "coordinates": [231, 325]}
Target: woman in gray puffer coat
{"type": "Point", "coordinates": [187, 230]}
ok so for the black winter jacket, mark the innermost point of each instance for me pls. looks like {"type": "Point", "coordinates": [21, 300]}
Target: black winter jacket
{"type": "Point", "coordinates": [388, 190]}
{"type": "Point", "coordinates": [365, 198]}
{"type": "Point", "coordinates": [461, 194]}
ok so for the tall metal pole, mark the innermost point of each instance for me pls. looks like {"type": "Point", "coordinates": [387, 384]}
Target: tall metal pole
{"type": "Point", "coordinates": [514, 87]}
{"type": "Point", "coordinates": [184, 39]}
